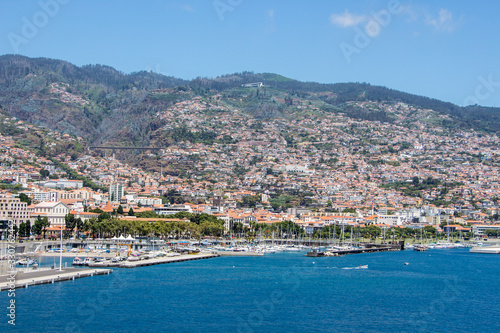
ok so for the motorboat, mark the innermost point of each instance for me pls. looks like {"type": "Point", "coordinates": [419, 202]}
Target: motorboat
{"type": "Point", "coordinates": [87, 261]}
{"type": "Point", "coordinates": [292, 249]}
{"type": "Point", "coordinates": [24, 262]}
{"type": "Point", "coordinates": [78, 262]}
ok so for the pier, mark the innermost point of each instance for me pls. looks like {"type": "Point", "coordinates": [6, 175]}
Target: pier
{"type": "Point", "coordinates": [486, 249]}
{"type": "Point", "coordinates": [165, 260]}
{"type": "Point", "coordinates": [27, 279]}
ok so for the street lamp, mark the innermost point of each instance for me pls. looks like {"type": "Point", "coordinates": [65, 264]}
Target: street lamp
{"type": "Point", "coordinates": [60, 250]}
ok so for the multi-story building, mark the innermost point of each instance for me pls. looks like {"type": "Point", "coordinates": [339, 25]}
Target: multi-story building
{"type": "Point", "coordinates": [172, 209]}
{"type": "Point", "coordinates": [115, 192]}
{"type": "Point", "coordinates": [13, 209]}
{"type": "Point", "coordinates": [54, 211]}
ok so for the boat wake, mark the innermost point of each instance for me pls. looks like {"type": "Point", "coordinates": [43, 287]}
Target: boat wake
{"type": "Point", "coordinates": [357, 267]}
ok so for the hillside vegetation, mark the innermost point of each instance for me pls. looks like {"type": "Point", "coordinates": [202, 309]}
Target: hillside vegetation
{"type": "Point", "coordinates": [103, 105]}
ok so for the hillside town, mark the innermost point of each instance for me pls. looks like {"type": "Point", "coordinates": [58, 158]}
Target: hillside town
{"type": "Point", "coordinates": [315, 169]}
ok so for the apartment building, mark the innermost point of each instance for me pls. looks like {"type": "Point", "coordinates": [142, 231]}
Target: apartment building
{"type": "Point", "coordinates": [13, 209]}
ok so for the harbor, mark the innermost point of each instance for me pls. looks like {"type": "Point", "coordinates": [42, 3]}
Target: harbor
{"type": "Point", "coordinates": [285, 280]}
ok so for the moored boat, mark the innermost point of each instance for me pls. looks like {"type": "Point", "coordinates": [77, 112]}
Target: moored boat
{"type": "Point", "coordinates": [78, 262]}
{"type": "Point", "coordinates": [420, 248]}
{"type": "Point", "coordinates": [87, 261]}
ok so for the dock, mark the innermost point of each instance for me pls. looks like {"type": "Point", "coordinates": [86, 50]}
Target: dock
{"type": "Point", "coordinates": [37, 277]}
{"type": "Point", "coordinates": [486, 249]}
{"type": "Point", "coordinates": [165, 260]}
{"type": "Point", "coordinates": [240, 253]}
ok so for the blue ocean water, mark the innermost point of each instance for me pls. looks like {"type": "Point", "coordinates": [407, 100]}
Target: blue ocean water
{"type": "Point", "coordinates": [448, 290]}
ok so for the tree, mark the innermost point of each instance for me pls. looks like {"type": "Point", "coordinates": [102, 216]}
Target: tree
{"type": "Point", "coordinates": [430, 229]}
{"type": "Point", "coordinates": [103, 216]}
{"type": "Point", "coordinates": [119, 211]}
{"type": "Point", "coordinates": [92, 225]}
{"type": "Point", "coordinates": [131, 212]}
{"type": "Point", "coordinates": [415, 180]}
{"type": "Point", "coordinates": [211, 228]}
{"type": "Point", "coordinates": [70, 224]}
{"type": "Point", "coordinates": [22, 229]}
{"type": "Point", "coordinates": [44, 173]}
{"type": "Point", "coordinates": [40, 225]}
{"type": "Point", "coordinates": [147, 214]}
{"type": "Point", "coordinates": [24, 198]}
{"type": "Point", "coordinates": [79, 226]}
{"type": "Point", "coordinates": [237, 227]}
{"type": "Point", "coordinates": [491, 232]}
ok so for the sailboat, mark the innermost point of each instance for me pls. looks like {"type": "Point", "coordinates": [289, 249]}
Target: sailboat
{"type": "Point", "coordinates": [420, 247]}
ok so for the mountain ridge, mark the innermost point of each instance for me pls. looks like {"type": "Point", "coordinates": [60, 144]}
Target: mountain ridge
{"type": "Point", "coordinates": [104, 105]}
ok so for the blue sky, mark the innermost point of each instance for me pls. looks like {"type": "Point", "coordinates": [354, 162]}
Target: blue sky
{"type": "Point", "coordinates": [443, 49]}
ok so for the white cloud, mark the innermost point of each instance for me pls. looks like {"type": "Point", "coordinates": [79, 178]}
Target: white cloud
{"type": "Point", "coordinates": [347, 19]}
{"type": "Point", "coordinates": [443, 22]}
{"type": "Point", "coordinates": [270, 13]}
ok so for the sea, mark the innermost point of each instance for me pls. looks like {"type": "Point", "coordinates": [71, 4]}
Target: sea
{"type": "Point", "coordinates": [441, 290]}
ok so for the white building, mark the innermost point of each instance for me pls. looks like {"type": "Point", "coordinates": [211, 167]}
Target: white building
{"type": "Point", "coordinates": [115, 192]}
{"type": "Point", "coordinates": [390, 219]}
{"type": "Point", "coordinates": [479, 229]}
{"type": "Point", "coordinates": [169, 210]}
{"type": "Point", "coordinates": [253, 85]}
{"type": "Point", "coordinates": [54, 211]}
{"type": "Point", "coordinates": [62, 183]}
{"type": "Point", "coordinates": [145, 202]}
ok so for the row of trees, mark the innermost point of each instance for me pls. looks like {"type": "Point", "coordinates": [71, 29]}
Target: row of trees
{"type": "Point", "coordinates": [288, 229]}
{"type": "Point", "coordinates": [25, 229]}
{"type": "Point", "coordinates": [492, 232]}
{"type": "Point", "coordinates": [198, 225]}
{"type": "Point", "coordinates": [190, 225]}
{"type": "Point", "coordinates": [177, 229]}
